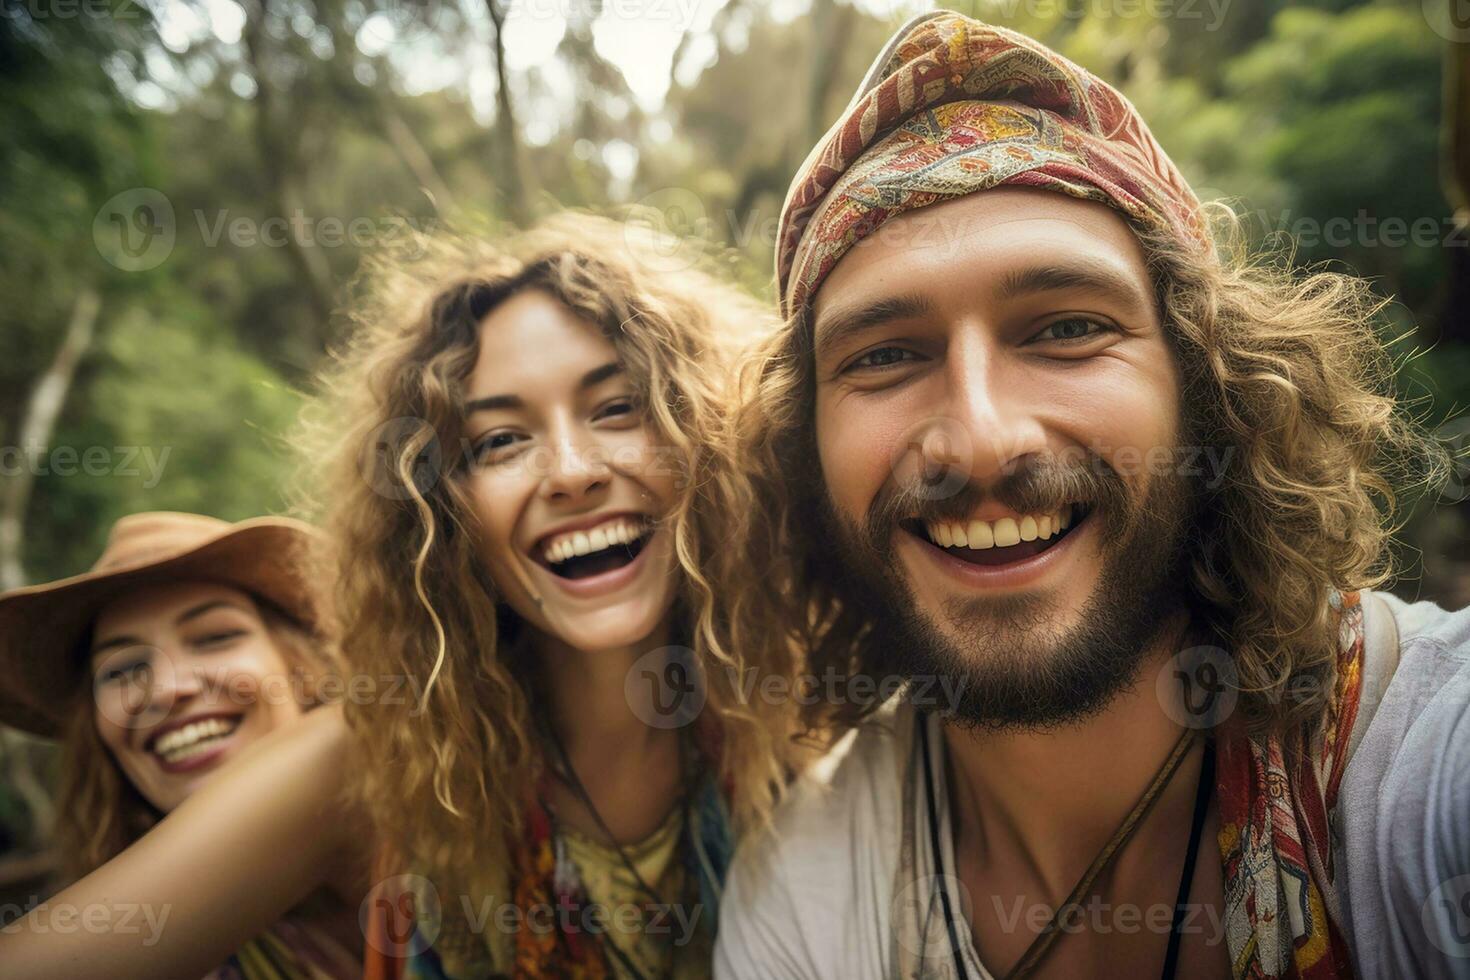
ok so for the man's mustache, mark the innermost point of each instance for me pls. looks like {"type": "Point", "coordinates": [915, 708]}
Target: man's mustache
{"type": "Point", "coordinates": [1035, 485]}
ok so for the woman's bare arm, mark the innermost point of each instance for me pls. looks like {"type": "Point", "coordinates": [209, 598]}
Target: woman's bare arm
{"type": "Point", "coordinates": [250, 843]}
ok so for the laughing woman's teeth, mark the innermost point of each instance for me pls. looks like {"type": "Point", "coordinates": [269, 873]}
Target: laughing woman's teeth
{"type": "Point", "coordinates": [191, 740]}
{"type": "Point", "coordinates": [577, 543]}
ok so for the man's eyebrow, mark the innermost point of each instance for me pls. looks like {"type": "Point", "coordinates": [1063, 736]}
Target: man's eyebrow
{"type": "Point", "coordinates": [1081, 273]}
{"type": "Point", "coordinates": [491, 403]}
{"type": "Point", "coordinates": [844, 323]}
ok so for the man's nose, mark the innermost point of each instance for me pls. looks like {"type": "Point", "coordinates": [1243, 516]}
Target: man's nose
{"type": "Point", "coordinates": [986, 421]}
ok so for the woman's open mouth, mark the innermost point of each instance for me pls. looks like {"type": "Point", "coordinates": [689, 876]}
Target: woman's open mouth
{"type": "Point", "coordinates": [1000, 542]}
{"type": "Point", "coordinates": [594, 551]}
{"type": "Point", "coordinates": [184, 747]}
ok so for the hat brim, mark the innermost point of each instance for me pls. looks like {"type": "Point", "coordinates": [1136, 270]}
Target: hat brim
{"type": "Point", "coordinates": [41, 626]}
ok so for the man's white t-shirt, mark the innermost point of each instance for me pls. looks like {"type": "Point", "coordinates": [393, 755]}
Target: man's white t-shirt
{"type": "Point", "coordinates": [815, 895]}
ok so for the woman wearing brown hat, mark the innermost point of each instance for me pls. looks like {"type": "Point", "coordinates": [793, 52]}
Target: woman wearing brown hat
{"type": "Point", "coordinates": [190, 640]}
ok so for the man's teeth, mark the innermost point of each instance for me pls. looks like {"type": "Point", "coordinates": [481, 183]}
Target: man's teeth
{"type": "Point", "coordinates": [999, 534]}
{"type": "Point", "coordinates": [194, 738]}
{"type": "Point", "coordinates": [619, 530]}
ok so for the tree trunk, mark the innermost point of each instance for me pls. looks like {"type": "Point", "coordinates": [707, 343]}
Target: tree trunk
{"type": "Point", "coordinates": [513, 176]}
{"type": "Point", "coordinates": [276, 161]}
{"type": "Point", "coordinates": [20, 755]}
{"type": "Point", "coordinates": [36, 427]}
{"type": "Point", "coordinates": [1456, 143]}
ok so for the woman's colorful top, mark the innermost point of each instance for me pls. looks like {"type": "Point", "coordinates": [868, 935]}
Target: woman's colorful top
{"type": "Point", "coordinates": [290, 950]}
{"type": "Point", "coordinates": [570, 907]}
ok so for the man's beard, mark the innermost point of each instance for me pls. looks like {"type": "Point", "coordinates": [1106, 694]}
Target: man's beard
{"type": "Point", "coordinates": [998, 666]}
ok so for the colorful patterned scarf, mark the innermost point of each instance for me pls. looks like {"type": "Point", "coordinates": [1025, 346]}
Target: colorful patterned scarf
{"type": "Point", "coordinates": [953, 106]}
{"type": "Point", "coordinates": [433, 942]}
{"type": "Point", "coordinates": [1276, 796]}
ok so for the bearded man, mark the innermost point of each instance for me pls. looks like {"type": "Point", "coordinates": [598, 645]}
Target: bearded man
{"type": "Point", "coordinates": [1110, 496]}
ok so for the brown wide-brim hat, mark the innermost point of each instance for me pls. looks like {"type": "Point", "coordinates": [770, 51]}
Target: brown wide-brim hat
{"type": "Point", "coordinates": [42, 627]}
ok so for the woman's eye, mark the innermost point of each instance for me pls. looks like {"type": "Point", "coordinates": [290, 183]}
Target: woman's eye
{"type": "Point", "coordinates": [883, 357]}
{"type": "Point", "coordinates": [128, 670]}
{"type": "Point", "coordinates": [493, 446]}
{"type": "Point", "coordinates": [1073, 328]}
{"type": "Point", "coordinates": [220, 638]}
{"type": "Point", "coordinates": [614, 409]}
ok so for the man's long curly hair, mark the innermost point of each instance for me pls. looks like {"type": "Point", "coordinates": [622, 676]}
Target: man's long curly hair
{"type": "Point", "coordinates": [446, 768]}
{"type": "Point", "coordinates": [1283, 370]}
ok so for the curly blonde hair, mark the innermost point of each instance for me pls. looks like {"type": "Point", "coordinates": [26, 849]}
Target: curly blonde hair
{"type": "Point", "coordinates": [1285, 371]}
{"type": "Point", "coordinates": [445, 778]}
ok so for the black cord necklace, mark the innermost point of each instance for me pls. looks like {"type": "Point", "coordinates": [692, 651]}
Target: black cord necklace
{"type": "Point", "coordinates": [568, 775]}
{"type": "Point", "coordinates": [1042, 944]}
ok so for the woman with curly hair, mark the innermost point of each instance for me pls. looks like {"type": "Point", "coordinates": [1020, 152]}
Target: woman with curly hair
{"type": "Point", "coordinates": [529, 498]}
{"type": "Point", "coordinates": [1110, 498]}
{"type": "Point", "coordinates": [551, 729]}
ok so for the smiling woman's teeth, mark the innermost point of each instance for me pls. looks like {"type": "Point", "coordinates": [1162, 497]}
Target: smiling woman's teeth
{"type": "Point", "coordinates": [191, 740]}
{"type": "Point", "coordinates": [599, 538]}
{"type": "Point", "coordinates": [1003, 533]}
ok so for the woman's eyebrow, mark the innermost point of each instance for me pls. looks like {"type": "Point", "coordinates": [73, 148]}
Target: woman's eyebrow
{"type": "Point", "coordinates": [492, 403]}
{"type": "Point", "coordinates": [115, 643]}
{"type": "Point", "coordinates": [205, 607]}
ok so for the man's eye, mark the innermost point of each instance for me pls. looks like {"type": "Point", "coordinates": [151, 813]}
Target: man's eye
{"type": "Point", "coordinates": [881, 357]}
{"type": "Point", "coordinates": [1072, 328]}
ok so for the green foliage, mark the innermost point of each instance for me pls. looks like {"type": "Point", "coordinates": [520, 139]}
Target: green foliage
{"type": "Point", "coordinates": [176, 417]}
